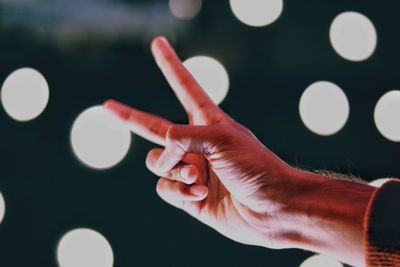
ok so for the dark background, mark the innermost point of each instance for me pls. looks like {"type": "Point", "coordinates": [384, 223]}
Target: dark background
{"type": "Point", "coordinates": [48, 192]}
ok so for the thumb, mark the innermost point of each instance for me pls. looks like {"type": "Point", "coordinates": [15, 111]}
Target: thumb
{"type": "Point", "coordinates": [183, 139]}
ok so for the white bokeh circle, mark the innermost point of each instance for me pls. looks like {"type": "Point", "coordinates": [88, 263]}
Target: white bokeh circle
{"type": "Point", "coordinates": [257, 13]}
{"type": "Point", "coordinates": [25, 94]}
{"type": "Point", "coordinates": [185, 9]}
{"type": "Point", "coordinates": [387, 115]}
{"type": "Point", "coordinates": [324, 108]}
{"type": "Point", "coordinates": [353, 36]}
{"type": "Point", "coordinates": [2, 207]}
{"type": "Point", "coordinates": [321, 261]}
{"type": "Point", "coordinates": [99, 139]}
{"type": "Point", "coordinates": [84, 247]}
{"type": "Point", "coordinates": [211, 75]}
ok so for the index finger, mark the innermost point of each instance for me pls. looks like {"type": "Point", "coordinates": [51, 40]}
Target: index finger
{"type": "Point", "coordinates": [148, 126]}
{"type": "Point", "coordinates": [193, 98]}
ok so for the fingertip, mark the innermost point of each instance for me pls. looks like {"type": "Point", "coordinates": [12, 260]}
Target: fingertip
{"type": "Point", "coordinates": [159, 38]}
{"type": "Point", "coordinates": [108, 103]}
{"type": "Point", "coordinates": [117, 108]}
{"type": "Point", "coordinates": [112, 104]}
{"type": "Point", "coordinates": [158, 42]}
{"type": "Point", "coordinates": [190, 173]}
{"type": "Point", "coordinates": [199, 191]}
{"type": "Point", "coordinates": [193, 172]}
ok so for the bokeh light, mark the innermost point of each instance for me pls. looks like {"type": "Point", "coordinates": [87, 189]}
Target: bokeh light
{"type": "Point", "coordinates": [185, 9]}
{"type": "Point", "coordinates": [2, 207]}
{"type": "Point", "coordinates": [99, 139]}
{"type": "Point", "coordinates": [379, 182]}
{"type": "Point", "coordinates": [387, 115]}
{"type": "Point", "coordinates": [84, 248]}
{"type": "Point", "coordinates": [211, 75]}
{"type": "Point", "coordinates": [353, 36]}
{"type": "Point", "coordinates": [24, 94]}
{"type": "Point", "coordinates": [324, 108]}
{"type": "Point", "coordinates": [320, 261]}
{"type": "Point", "coordinates": [257, 13]}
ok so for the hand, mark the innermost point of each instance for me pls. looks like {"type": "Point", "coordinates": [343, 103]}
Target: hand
{"type": "Point", "coordinates": [214, 168]}
{"type": "Point", "coordinates": [217, 171]}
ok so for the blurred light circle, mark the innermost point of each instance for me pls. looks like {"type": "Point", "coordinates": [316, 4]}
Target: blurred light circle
{"type": "Point", "coordinates": [387, 115]}
{"type": "Point", "coordinates": [24, 94]}
{"type": "Point", "coordinates": [379, 182]}
{"type": "Point", "coordinates": [185, 9]}
{"type": "Point", "coordinates": [320, 261]}
{"type": "Point", "coordinates": [84, 248]}
{"type": "Point", "coordinates": [324, 108]}
{"type": "Point", "coordinates": [353, 36]}
{"type": "Point", "coordinates": [211, 75]}
{"type": "Point", "coordinates": [99, 139]}
{"type": "Point", "coordinates": [257, 13]}
{"type": "Point", "coordinates": [2, 207]}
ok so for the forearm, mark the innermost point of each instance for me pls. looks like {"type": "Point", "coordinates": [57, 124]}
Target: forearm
{"type": "Point", "coordinates": [326, 215]}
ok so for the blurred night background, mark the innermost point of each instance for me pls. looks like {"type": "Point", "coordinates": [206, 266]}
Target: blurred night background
{"type": "Point", "coordinates": [93, 50]}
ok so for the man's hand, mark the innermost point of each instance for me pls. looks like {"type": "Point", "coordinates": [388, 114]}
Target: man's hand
{"type": "Point", "coordinates": [213, 168]}
{"type": "Point", "coordinates": [217, 171]}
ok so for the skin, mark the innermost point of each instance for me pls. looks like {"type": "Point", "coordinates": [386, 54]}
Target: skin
{"type": "Point", "coordinates": [217, 171]}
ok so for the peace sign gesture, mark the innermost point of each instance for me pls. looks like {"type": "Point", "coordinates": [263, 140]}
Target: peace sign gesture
{"type": "Point", "coordinates": [217, 171]}
{"type": "Point", "coordinates": [213, 168]}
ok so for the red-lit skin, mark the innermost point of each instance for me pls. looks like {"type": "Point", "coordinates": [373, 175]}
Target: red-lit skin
{"type": "Point", "coordinates": [217, 171]}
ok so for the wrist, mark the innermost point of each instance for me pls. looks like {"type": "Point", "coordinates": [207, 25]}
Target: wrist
{"type": "Point", "coordinates": [324, 215]}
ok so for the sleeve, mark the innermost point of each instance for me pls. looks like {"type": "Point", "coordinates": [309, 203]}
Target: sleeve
{"type": "Point", "coordinates": [382, 226]}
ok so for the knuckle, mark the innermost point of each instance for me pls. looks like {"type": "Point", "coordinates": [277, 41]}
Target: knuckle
{"type": "Point", "coordinates": [242, 128]}
{"type": "Point", "coordinates": [126, 114]}
{"type": "Point", "coordinates": [172, 132]}
{"type": "Point", "coordinates": [204, 106]}
{"type": "Point", "coordinates": [223, 134]}
{"type": "Point", "coordinates": [233, 129]}
{"type": "Point", "coordinates": [152, 156]}
{"type": "Point", "coordinates": [155, 127]}
{"type": "Point", "coordinates": [175, 173]}
{"type": "Point", "coordinates": [224, 130]}
{"type": "Point", "coordinates": [167, 59]}
{"type": "Point", "coordinates": [187, 81]}
{"type": "Point", "coordinates": [218, 117]}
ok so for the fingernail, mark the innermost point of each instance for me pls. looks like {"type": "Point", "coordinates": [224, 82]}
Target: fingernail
{"type": "Point", "coordinates": [198, 190]}
{"type": "Point", "coordinates": [189, 173]}
{"type": "Point", "coordinates": [159, 39]}
{"type": "Point", "coordinates": [107, 102]}
{"type": "Point", "coordinates": [162, 39]}
{"type": "Point", "coordinates": [111, 104]}
{"type": "Point", "coordinates": [185, 172]}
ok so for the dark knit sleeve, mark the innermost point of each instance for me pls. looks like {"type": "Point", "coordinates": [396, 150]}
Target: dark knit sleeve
{"type": "Point", "coordinates": [382, 226]}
